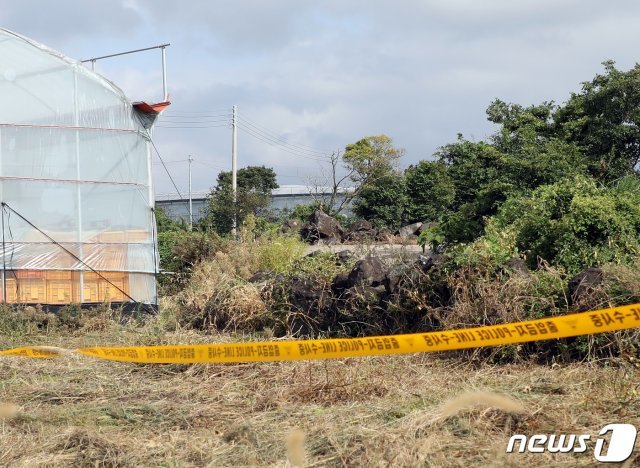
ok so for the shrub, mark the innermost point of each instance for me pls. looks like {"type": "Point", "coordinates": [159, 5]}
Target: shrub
{"type": "Point", "coordinates": [433, 236]}
{"type": "Point", "coordinates": [180, 251]}
{"type": "Point", "coordinates": [303, 212]}
{"type": "Point", "coordinates": [491, 251]}
{"type": "Point", "coordinates": [489, 297]}
{"type": "Point", "coordinates": [278, 253]}
{"type": "Point", "coordinates": [218, 293]}
{"type": "Point", "coordinates": [575, 223]}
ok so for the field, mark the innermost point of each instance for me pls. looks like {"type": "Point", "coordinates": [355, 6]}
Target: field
{"type": "Point", "coordinates": [413, 410]}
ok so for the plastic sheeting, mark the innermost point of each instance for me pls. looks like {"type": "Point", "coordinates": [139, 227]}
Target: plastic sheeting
{"type": "Point", "coordinates": [75, 175]}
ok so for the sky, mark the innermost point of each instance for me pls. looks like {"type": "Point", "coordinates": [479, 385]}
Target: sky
{"type": "Point", "coordinates": [309, 77]}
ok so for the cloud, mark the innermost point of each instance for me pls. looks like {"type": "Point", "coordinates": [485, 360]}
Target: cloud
{"type": "Point", "coordinates": [324, 74]}
{"type": "Point", "coordinates": [60, 21]}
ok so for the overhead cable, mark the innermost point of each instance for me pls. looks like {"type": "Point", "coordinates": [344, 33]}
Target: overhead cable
{"type": "Point", "coordinates": [191, 126]}
{"type": "Point", "coordinates": [280, 142]}
{"type": "Point", "coordinates": [263, 129]}
{"type": "Point", "coordinates": [279, 145]}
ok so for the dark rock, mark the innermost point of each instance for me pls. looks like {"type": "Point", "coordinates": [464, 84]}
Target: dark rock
{"type": "Point", "coordinates": [427, 262]}
{"type": "Point", "coordinates": [393, 278]}
{"type": "Point", "coordinates": [321, 226]}
{"type": "Point", "coordinates": [341, 257]}
{"type": "Point", "coordinates": [326, 226]}
{"type": "Point", "coordinates": [384, 235]}
{"type": "Point", "coordinates": [410, 230]}
{"type": "Point", "coordinates": [309, 233]}
{"type": "Point", "coordinates": [426, 226]}
{"type": "Point", "coordinates": [360, 226]}
{"type": "Point", "coordinates": [306, 294]}
{"type": "Point", "coordinates": [360, 236]}
{"type": "Point", "coordinates": [329, 240]}
{"type": "Point", "coordinates": [267, 277]}
{"type": "Point", "coordinates": [341, 282]}
{"type": "Point", "coordinates": [517, 265]}
{"type": "Point", "coordinates": [290, 225]}
{"type": "Point", "coordinates": [369, 271]}
{"type": "Point", "coordinates": [344, 256]}
{"type": "Point", "coordinates": [584, 283]}
{"type": "Point", "coordinates": [261, 276]}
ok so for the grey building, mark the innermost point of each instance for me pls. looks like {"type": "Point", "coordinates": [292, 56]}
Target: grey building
{"type": "Point", "coordinates": [287, 197]}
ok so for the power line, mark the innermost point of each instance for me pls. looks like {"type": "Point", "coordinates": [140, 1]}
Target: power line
{"type": "Point", "coordinates": [180, 161]}
{"type": "Point", "coordinates": [177, 112]}
{"type": "Point", "coordinates": [279, 137]}
{"type": "Point", "coordinates": [180, 122]}
{"type": "Point", "coordinates": [280, 141]}
{"type": "Point", "coordinates": [200, 118]}
{"type": "Point", "coordinates": [191, 126]}
{"type": "Point", "coordinates": [279, 145]}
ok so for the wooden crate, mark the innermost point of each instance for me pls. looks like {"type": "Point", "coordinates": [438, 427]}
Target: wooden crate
{"type": "Point", "coordinates": [101, 290]}
{"type": "Point", "coordinates": [26, 290]}
{"type": "Point", "coordinates": [63, 287]}
{"type": "Point", "coordinates": [60, 292]}
{"type": "Point", "coordinates": [115, 237]}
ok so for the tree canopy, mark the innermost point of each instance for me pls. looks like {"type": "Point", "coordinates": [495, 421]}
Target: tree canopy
{"type": "Point", "coordinates": [254, 186]}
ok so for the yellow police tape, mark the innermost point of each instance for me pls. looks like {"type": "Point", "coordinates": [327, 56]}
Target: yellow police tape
{"type": "Point", "coordinates": [563, 326]}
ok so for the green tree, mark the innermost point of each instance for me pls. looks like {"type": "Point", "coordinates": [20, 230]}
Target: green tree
{"type": "Point", "coordinates": [255, 184]}
{"type": "Point", "coordinates": [604, 121]}
{"type": "Point", "coordinates": [523, 154]}
{"type": "Point", "coordinates": [371, 158]}
{"type": "Point", "coordinates": [429, 191]}
{"type": "Point", "coordinates": [383, 203]}
{"type": "Point", "coordinates": [371, 164]}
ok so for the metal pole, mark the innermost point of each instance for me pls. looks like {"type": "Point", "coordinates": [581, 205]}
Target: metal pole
{"type": "Point", "coordinates": [4, 253]}
{"type": "Point", "coordinates": [190, 200]}
{"type": "Point", "coordinates": [161, 46]}
{"type": "Point", "coordinates": [234, 169]}
{"type": "Point", "coordinates": [76, 116]}
{"type": "Point", "coordinates": [4, 262]}
{"type": "Point", "coordinates": [164, 73]}
{"type": "Point", "coordinates": [164, 63]}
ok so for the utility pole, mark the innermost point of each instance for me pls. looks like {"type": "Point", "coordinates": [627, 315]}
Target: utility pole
{"type": "Point", "coordinates": [190, 200]}
{"type": "Point", "coordinates": [234, 169]}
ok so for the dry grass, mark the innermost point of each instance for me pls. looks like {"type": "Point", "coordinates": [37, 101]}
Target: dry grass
{"type": "Point", "coordinates": [417, 410]}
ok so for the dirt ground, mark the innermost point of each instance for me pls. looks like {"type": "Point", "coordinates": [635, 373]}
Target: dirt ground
{"type": "Point", "coordinates": [378, 412]}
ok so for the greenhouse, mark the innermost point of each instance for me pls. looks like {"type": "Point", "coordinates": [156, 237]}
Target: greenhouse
{"type": "Point", "coordinates": [75, 183]}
